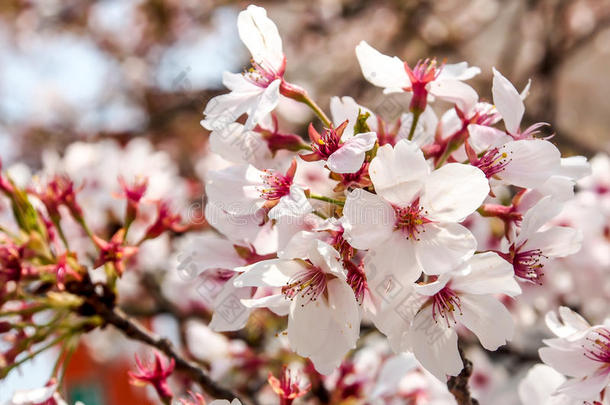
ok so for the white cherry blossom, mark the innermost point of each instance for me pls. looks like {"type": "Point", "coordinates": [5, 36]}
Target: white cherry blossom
{"type": "Point", "coordinates": [424, 319]}
{"type": "Point", "coordinates": [313, 289]}
{"type": "Point", "coordinates": [411, 224]}
{"type": "Point", "coordinates": [581, 352]}
{"type": "Point", "coordinates": [256, 92]}
{"type": "Point", "coordinates": [424, 78]}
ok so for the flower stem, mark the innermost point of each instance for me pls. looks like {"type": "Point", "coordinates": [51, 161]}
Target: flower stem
{"type": "Point", "coordinates": [416, 116]}
{"type": "Point", "coordinates": [327, 199]}
{"type": "Point", "coordinates": [316, 109]}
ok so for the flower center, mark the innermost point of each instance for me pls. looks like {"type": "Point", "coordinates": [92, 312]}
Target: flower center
{"type": "Point", "coordinates": [424, 71]}
{"type": "Point", "coordinates": [444, 304]}
{"type": "Point", "coordinates": [276, 185]}
{"type": "Point", "coordinates": [529, 265]}
{"type": "Point", "coordinates": [309, 283]}
{"type": "Point", "coordinates": [411, 220]}
{"type": "Point", "coordinates": [329, 142]}
{"type": "Point", "coordinates": [493, 162]}
{"type": "Point", "coordinates": [598, 346]}
{"type": "Point", "coordinates": [356, 278]}
{"type": "Point", "coordinates": [288, 386]}
{"type": "Point", "coordinates": [263, 74]}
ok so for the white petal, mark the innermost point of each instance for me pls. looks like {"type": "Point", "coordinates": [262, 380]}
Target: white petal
{"type": "Point", "coordinates": [238, 83]}
{"type": "Point", "coordinates": [558, 241]}
{"type": "Point", "coordinates": [33, 396]}
{"type": "Point", "coordinates": [442, 248]}
{"type": "Point", "coordinates": [350, 156]}
{"type": "Point", "coordinates": [575, 167]}
{"type": "Point", "coordinates": [397, 173]}
{"type": "Point", "coordinates": [430, 289]}
{"type": "Point", "coordinates": [572, 363]}
{"type": "Point", "coordinates": [229, 312]}
{"type": "Point", "coordinates": [337, 327]}
{"type": "Point", "coordinates": [508, 102]}
{"type": "Point", "coordinates": [396, 258]}
{"type": "Point", "coordinates": [278, 303]}
{"type": "Point", "coordinates": [541, 213]}
{"type": "Point", "coordinates": [587, 388]}
{"type": "Point", "coordinates": [453, 192]}
{"type": "Point", "coordinates": [264, 104]}
{"type": "Point", "coordinates": [435, 346]}
{"type": "Point", "coordinates": [234, 189]}
{"type": "Point", "coordinates": [299, 245]}
{"type": "Point", "coordinates": [571, 322]}
{"type": "Point", "coordinates": [570, 319]}
{"type": "Point", "coordinates": [539, 384]}
{"type": "Point", "coordinates": [382, 70]}
{"type": "Point", "coordinates": [487, 318]}
{"type": "Point", "coordinates": [483, 137]}
{"type": "Point", "coordinates": [395, 309]}
{"type": "Point", "coordinates": [458, 71]}
{"type": "Point", "coordinates": [559, 187]}
{"type": "Point", "coordinates": [223, 110]}
{"type": "Point", "coordinates": [489, 274]}
{"type": "Point", "coordinates": [209, 251]}
{"type": "Point", "coordinates": [346, 108]}
{"type": "Point", "coordinates": [393, 371]}
{"type": "Point", "coordinates": [236, 145]}
{"type": "Point", "coordinates": [326, 258]}
{"type": "Point", "coordinates": [369, 220]}
{"type": "Point", "coordinates": [531, 162]}
{"type": "Point", "coordinates": [272, 273]}
{"type": "Point", "coordinates": [294, 205]}
{"type": "Point", "coordinates": [261, 37]}
{"type": "Point", "coordinates": [242, 228]}
{"type": "Point", "coordinates": [456, 92]}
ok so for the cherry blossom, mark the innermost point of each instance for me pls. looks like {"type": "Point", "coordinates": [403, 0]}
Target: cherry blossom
{"type": "Point", "coordinates": [426, 77]}
{"type": "Point", "coordinates": [243, 190]}
{"type": "Point", "coordinates": [343, 152]}
{"type": "Point", "coordinates": [256, 92]}
{"type": "Point", "coordinates": [313, 291]}
{"type": "Point", "coordinates": [427, 321]}
{"type": "Point", "coordinates": [411, 224]}
{"type": "Point", "coordinates": [533, 247]}
{"type": "Point", "coordinates": [580, 352]}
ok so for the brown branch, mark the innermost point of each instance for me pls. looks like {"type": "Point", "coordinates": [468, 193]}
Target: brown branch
{"type": "Point", "coordinates": [100, 300]}
{"type": "Point", "coordinates": [134, 330]}
{"type": "Point", "coordinates": [458, 385]}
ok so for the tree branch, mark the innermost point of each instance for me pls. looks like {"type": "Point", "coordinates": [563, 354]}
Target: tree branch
{"type": "Point", "coordinates": [134, 330]}
{"type": "Point", "coordinates": [458, 385]}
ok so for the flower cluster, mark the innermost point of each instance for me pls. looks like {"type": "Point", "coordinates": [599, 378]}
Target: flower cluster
{"type": "Point", "coordinates": [388, 239]}
{"type": "Point", "coordinates": [364, 260]}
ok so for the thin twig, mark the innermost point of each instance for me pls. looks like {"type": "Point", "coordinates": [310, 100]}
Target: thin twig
{"type": "Point", "coordinates": [135, 331]}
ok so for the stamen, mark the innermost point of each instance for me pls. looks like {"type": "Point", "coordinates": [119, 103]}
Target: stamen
{"type": "Point", "coordinates": [493, 162]}
{"type": "Point", "coordinates": [277, 185]}
{"type": "Point", "coordinates": [424, 71]}
{"type": "Point", "coordinates": [598, 348]}
{"type": "Point", "coordinates": [444, 303]}
{"type": "Point", "coordinates": [356, 278]}
{"type": "Point", "coordinates": [529, 264]}
{"type": "Point", "coordinates": [411, 220]}
{"type": "Point", "coordinates": [262, 74]}
{"type": "Point", "coordinates": [328, 143]}
{"type": "Point", "coordinates": [309, 283]}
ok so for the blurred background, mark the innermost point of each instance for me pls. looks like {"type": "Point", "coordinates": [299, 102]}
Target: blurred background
{"type": "Point", "coordinates": [77, 69]}
{"type": "Point", "coordinates": [84, 70]}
